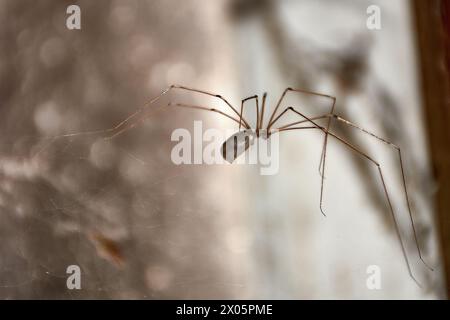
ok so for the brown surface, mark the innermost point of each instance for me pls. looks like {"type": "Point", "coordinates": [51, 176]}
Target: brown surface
{"type": "Point", "coordinates": [431, 18]}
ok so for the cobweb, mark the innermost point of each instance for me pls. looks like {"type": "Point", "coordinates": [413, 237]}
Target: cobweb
{"type": "Point", "coordinates": [135, 224]}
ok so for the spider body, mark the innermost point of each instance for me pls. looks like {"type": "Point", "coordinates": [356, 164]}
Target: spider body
{"type": "Point", "coordinates": [239, 142]}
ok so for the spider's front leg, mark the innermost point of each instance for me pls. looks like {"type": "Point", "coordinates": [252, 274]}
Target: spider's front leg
{"type": "Point", "coordinates": [144, 112]}
{"type": "Point", "coordinates": [257, 112]}
{"type": "Point", "coordinates": [325, 140]}
{"type": "Point", "coordinates": [289, 127]}
{"type": "Point", "coordinates": [323, 155]}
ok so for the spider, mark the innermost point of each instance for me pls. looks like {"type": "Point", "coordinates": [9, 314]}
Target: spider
{"type": "Point", "coordinates": [242, 140]}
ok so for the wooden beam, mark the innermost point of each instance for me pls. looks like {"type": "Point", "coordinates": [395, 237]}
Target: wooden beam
{"type": "Point", "coordinates": [431, 18]}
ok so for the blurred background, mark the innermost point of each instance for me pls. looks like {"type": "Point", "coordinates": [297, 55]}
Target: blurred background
{"type": "Point", "coordinates": [141, 227]}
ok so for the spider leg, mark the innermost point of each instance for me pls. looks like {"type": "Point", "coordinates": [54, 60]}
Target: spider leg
{"type": "Point", "coordinates": [257, 111]}
{"type": "Point", "coordinates": [325, 143]}
{"type": "Point", "coordinates": [262, 110]}
{"type": "Point", "coordinates": [353, 125]}
{"type": "Point", "coordinates": [212, 95]}
{"type": "Point", "coordinates": [137, 117]}
{"type": "Point", "coordinates": [207, 109]}
{"type": "Point", "coordinates": [303, 121]}
{"type": "Point", "coordinates": [289, 127]}
{"type": "Point", "coordinates": [323, 156]}
{"type": "Point", "coordinates": [307, 92]}
{"type": "Point", "coordinates": [271, 119]}
{"type": "Point", "coordinates": [405, 189]}
{"type": "Point", "coordinates": [285, 127]}
{"type": "Point", "coordinates": [130, 122]}
{"type": "Point", "coordinates": [141, 114]}
{"type": "Point", "coordinates": [397, 229]}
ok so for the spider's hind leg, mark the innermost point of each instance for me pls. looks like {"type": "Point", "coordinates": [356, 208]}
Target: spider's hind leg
{"type": "Point", "coordinates": [397, 229]}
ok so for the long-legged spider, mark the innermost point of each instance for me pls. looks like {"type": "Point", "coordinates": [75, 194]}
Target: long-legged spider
{"type": "Point", "coordinates": [242, 136]}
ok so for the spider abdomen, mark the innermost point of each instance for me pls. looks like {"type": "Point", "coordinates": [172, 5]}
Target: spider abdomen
{"type": "Point", "coordinates": [237, 144]}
